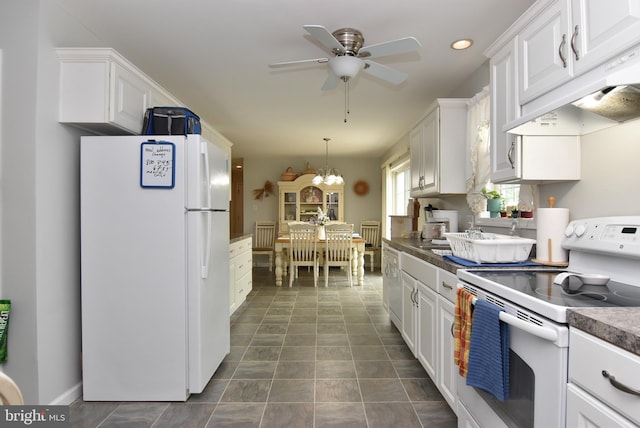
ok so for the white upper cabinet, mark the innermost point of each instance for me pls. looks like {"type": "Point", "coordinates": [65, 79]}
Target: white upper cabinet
{"type": "Point", "coordinates": [543, 46]}
{"type": "Point", "coordinates": [102, 91]}
{"type": "Point", "coordinates": [437, 145]}
{"type": "Point", "coordinates": [416, 161]}
{"type": "Point", "coordinates": [505, 108]}
{"type": "Point", "coordinates": [571, 37]}
{"type": "Point", "coordinates": [602, 29]}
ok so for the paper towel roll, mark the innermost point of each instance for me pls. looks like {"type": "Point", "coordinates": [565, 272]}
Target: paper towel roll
{"type": "Point", "coordinates": [551, 223]}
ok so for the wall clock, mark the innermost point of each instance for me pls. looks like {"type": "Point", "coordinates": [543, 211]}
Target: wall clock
{"type": "Point", "coordinates": [361, 188]}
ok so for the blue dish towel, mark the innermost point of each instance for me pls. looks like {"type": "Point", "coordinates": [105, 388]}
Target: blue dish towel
{"type": "Point", "coordinates": [470, 263]}
{"type": "Point", "coordinates": [489, 351]}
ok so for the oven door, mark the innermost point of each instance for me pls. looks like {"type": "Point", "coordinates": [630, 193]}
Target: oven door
{"type": "Point", "coordinates": [537, 374]}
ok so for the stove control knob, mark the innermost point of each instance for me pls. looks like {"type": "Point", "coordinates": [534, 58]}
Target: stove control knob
{"type": "Point", "coordinates": [580, 230]}
{"type": "Point", "coordinates": [569, 230]}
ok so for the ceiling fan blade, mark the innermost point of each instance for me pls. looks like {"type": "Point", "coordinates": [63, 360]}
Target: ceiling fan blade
{"type": "Point", "coordinates": [383, 72]}
{"type": "Point", "coordinates": [331, 82]}
{"type": "Point", "coordinates": [299, 62]}
{"type": "Point", "coordinates": [323, 35]}
{"type": "Point", "coordinates": [393, 47]}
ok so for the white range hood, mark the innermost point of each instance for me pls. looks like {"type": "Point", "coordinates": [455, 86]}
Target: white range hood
{"type": "Point", "coordinates": [604, 97]}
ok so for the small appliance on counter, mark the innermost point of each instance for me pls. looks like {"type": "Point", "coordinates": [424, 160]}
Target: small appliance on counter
{"type": "Point", "coordinates": [434, 228]}
{"type": "Point", "coordinates": [401, 226]}
{"type": "Point", "coordinates": [450, 216]}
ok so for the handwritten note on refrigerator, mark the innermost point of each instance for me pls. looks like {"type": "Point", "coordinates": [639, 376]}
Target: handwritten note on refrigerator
{"type": "Point", "coordinates": [157, 163]}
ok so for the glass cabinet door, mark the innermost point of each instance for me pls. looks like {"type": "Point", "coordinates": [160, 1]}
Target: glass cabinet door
{"type": "Point", "coordinates": [310, 201]}
{"type": "Point", "coordinates": [332, 201]}
{"type": "Point", "coordinates": [290, 199]}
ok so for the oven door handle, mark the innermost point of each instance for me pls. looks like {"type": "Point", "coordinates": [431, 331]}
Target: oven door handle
{"type": "Point", "coordinates": [541, 332]}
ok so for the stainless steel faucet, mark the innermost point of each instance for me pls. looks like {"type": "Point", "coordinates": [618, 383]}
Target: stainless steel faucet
{"type": "Point", "coordinates": [514, 226]}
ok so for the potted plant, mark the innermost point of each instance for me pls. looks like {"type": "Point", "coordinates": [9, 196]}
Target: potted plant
{"type": "Point", "coordinates": [494, 201]}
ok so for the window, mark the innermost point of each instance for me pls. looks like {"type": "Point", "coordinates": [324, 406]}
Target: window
{"type": "Point", "coordinates": [401, 188]}
{"type": "Point", "coordinates": [510, 195]}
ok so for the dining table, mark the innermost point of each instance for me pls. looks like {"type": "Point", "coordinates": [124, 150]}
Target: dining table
{"type": "Point", "coordinates": [357, 246]}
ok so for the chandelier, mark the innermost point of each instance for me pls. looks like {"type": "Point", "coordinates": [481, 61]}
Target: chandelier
{"type": "Point", "coordinates": [327, 176]}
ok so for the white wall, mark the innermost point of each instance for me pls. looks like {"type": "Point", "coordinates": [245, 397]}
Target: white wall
{"type": "Point", "coordinates": [40, 207]}
{"type": "Point", "coordinates": [610, 175]}
{"type": "Point", "coordinates": [356, 208]}
{"type": "Point", "coordinates": [18, 22]}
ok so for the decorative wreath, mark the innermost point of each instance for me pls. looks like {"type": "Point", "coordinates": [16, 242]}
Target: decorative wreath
{"type": "Point", "coordinates": [361, 188]}
{"type": "Point", "coordinates": [266, 190]}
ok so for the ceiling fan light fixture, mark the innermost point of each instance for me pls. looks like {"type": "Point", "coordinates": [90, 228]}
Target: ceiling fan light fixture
{"type": "Point", "coordinates": [461, 44]}
{"type": "Point", "coordinates": [346, 66]}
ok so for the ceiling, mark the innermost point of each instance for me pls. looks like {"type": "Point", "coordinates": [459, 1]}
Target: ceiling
{"type": "Point", "coordinates": [214, 55]}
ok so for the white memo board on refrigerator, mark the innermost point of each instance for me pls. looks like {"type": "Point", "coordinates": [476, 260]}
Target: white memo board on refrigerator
{"type": "Point", "coordinates": [157, 162]}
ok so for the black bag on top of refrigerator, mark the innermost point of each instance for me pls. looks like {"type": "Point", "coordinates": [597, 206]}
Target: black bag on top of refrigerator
{"type": "Point", "coordinates": [170, 121]}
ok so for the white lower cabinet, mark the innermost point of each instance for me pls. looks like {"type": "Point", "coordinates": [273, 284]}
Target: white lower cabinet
{"type": "Point", "coordinates": [604, 387]}
{"type": "Point", "coordinates": [409, 315]}
{"type": "Point", "coordinates": [419, 321]}
{"type": "Point", "coordinates": [240, 263]}
{"type": "Point", "coordinates": [584, 411]}
{"type": "Point", "coordinates": [426, 349]}
{"type": "Point", "coordinates": [465, 420]}
{"type": "Point", "coordinates": [419, 282]}
{"type": "Point", "coordinates": [447, 371]}
{"type": "Point", "coordinates": [428, 294]}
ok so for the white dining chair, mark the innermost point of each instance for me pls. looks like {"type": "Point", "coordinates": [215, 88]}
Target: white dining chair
{"type": "Point", "coordinates": [264, 240]}
{"type": "Point", "coordinates": [338, 251]}
{"type": "Point", "coordinates": [302, 250]}
{"type": "Point", "coordinates": [370, 232]}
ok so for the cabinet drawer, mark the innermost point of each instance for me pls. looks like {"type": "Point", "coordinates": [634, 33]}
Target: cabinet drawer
{"type": "Point", "coordinates": [238, 247]}
{"type": "Point", "coordinates": [243, 264]}
{"type": "Point", "coordinates": [448, 285]}
{"type": "Point", "coordinates": [590, 356]}
{"type": "Point", "coordinates": [243, 287]}
{"type": "Point", "coordinates": [585, 411]}
{"type": "Point", "coordinates": [420, 270]}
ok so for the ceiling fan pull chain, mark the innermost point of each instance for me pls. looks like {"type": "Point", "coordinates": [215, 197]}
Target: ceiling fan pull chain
{"type": "Point", "coordinates": [346, 100]}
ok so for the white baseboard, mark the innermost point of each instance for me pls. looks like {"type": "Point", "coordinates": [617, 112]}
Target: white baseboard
{"type": "Point", "coordinates": [69, 396]}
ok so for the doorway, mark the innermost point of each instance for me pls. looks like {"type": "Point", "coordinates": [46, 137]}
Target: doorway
{"type": "Point", "coordinates": [236, 209]}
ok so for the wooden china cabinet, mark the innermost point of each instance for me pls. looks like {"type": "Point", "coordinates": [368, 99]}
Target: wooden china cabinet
{"type": "Point", "coordinates": [300, 199]}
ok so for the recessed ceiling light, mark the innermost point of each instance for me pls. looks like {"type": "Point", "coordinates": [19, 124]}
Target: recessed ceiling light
{"type": "Point", "coordinates": [461, 44]}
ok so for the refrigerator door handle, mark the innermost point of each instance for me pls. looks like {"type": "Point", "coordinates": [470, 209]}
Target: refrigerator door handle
{"type": "Point", "coordinates": [207, 172]}
{"type": "Point", "coordinates": [206, 254]}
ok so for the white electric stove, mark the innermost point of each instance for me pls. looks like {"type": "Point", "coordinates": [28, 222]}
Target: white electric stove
{"type": "Point", "coordinates": [603, 271]}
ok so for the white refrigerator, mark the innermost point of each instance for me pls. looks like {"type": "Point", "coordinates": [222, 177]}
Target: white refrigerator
{"type": "Point", "coordinates": [155, 266]}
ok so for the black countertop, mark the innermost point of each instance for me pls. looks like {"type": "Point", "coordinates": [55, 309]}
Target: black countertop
{"type": "Point", "coordinates": [618, 326]}
{"type": "Point", "coordinates": [239, 237]}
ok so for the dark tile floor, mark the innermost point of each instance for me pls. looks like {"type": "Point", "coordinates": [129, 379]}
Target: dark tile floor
{"type": "Point", "coordinates": [300, 357]}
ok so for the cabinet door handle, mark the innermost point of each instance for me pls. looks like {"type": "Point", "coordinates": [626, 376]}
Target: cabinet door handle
{"type": "Point", "coordinates": [622, 387]}
{"type": "Point", "coordinates": [575, 50]}
{"type": "Point", "coordinates": [452, 333]}
{"type": "Point", "coordinates": [512, 150]}
{"type": "Point", "coordinates": [563, 43]}
{"type": "Point", "coordinates": [445, 285]}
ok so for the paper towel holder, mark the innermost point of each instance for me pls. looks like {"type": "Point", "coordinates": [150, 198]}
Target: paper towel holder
{"type": "Point", "coordinates": [552, 202]}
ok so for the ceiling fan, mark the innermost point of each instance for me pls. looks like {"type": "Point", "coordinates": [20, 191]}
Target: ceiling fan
{"type": "Point", "coordinates": [350, 56]}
